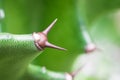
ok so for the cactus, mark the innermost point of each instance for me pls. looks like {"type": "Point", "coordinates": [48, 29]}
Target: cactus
{"type": "Point", "coordinates": [84, 26]}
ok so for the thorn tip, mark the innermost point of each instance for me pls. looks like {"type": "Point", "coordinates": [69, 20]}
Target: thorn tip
{"type": "Point", "coordinates": [53, 46]}
{"type": "Point", "coordinates": [49, 27]}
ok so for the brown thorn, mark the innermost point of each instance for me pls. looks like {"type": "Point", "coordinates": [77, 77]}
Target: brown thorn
{"type": "Point", "coordinates": [49, 27]}
{"type": "Point", "coordinates": [38, 46]}
{"type": "Point", "coordinates": [71, 76]}
{"type": "Point", "coordinates": [47, 44]}
{"type": "Point", "coordinates": [41, 38]}
{"type": "Point", "coordinates": [90, 48]}
{"type": "Point", "coordinates": [74, 73]}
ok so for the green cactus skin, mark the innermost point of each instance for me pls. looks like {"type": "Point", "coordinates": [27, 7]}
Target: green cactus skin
{"type": "Point", "coordinates": [16, 53]}
{"type": "Point", "coordinates": [41, 73]}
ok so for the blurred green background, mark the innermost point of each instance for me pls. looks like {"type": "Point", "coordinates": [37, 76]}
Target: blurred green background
{"type": "Point", "coordinates": [99, 17]}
